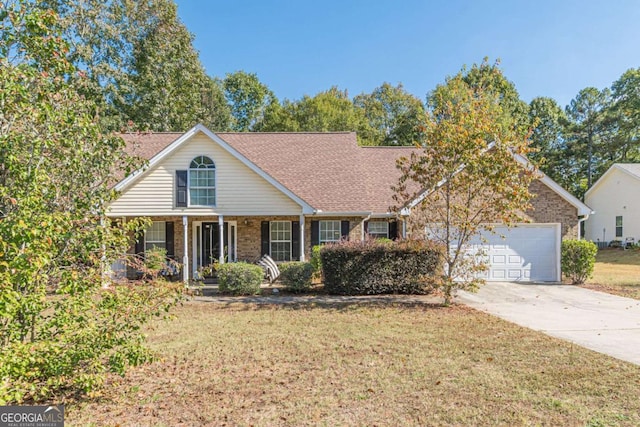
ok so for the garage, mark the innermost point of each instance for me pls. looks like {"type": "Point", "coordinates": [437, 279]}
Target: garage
{"type": "Point", "coordinates": [528, 252]}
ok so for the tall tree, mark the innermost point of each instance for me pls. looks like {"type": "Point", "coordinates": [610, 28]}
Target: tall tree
{"type": "Point", "coordinates": [169, 90]}
{"type": "Point", "coordinates": [248, 98]}
{"type": "Point", "coordinates": [549, 123]}
{"type": "Point", "coordinates": [489, 78]}
{"type": "Point", "coordinates": [141, 64]}
{"type": "Point", "coordinates": [470, 175]}
{"type": "Point", "coordinates": [395, 116]}
{"type": "Point", "coordinates": [60, 331]}
{"type": "Point", "coordinates": [625, 110]}
{"type": "Point", "coordinates": [327, 111]}
{"type": "Point", "coordinates": [589, 133]}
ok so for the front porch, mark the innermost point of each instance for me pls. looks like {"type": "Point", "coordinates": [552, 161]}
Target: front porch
{"type": "Point", "coordinates": [198, 241]}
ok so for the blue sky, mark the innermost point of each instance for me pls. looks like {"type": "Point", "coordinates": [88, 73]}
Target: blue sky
{"type": "Point", "coordinates": [546, 48]}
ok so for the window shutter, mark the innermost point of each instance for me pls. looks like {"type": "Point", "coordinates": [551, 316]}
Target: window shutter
{"type": "Point", "coordinates": [344, 230]}
{"type": "Point", "coordinates": [315, 233]}
{"type": "Point", "coordinates": [181, 189]}
{"type": "Point", "coordinates": [295, 240]}
{"type": "Point", "coordinates": [169, 239]}
{"type": "Point", "coordinates": [366, 227]}
{"type": "Point", "coordinates": [264, 231]}
{"type": "Point", "coordinates": [393, 230]}
{"type": "Point", "coordinates": [139, 249]}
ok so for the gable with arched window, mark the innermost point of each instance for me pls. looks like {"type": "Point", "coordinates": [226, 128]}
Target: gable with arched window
{"type": "Point", "coordinates": [197, 185]}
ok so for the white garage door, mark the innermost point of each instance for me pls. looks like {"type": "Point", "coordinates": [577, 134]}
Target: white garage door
{"type": "Point", "coordinates": [526, 253]}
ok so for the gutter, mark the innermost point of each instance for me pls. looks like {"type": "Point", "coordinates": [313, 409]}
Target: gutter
{"type": "Point", "coordinates": [342, 214]}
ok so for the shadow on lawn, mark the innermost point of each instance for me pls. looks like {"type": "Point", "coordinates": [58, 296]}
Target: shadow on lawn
{"type": "Point", "coordinates": [337, 303]}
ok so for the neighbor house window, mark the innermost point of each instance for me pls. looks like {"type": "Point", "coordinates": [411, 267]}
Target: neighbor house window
{"type": "Point", "coordinates": [618, 226]}
{"type": "Point", "coordinates": [280, 241]}
{"type": "Point", "coordinates": [378, 229]}
{"type": "Point", "coordinates": [156, 236]}
{"type": "Point", "coordinates": [202, 182]}
{"type": "Point", "coordinates": [330, 231]}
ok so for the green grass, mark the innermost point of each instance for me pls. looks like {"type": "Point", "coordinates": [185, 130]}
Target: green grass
{"type": "Point", "coordinates": [617, 271]}
{"type": "Point", "coordinates": [362, 364]}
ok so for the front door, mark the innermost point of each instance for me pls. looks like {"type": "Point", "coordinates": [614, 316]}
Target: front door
{"type": "Point", "coordinates": [211, 242]}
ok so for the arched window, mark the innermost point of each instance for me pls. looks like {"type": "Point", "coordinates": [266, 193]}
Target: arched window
{"type": "Point", "coordinates": [202, 182]}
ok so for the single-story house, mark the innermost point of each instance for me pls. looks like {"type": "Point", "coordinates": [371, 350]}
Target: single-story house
{"type": "Point", "coordinates": [615, 198]}
{"type": "Point", "coordinates": [237, 196]}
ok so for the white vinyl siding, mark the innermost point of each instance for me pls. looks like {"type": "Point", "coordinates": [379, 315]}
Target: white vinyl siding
{"type": "Point", "coordinates": [378, 229]}
{"type": "Point", "coordinates": [239, 190]}
{"type": "Point", "coordinates": [616, 194]}
{"type": "Point", "coordinates": [280, 240]}
{"type": "Point", "coordinates": [155, 236]}
{"type": "Point", "coordinates": [330, 231]}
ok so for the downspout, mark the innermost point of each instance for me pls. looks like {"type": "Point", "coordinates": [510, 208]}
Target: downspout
{"type": "Point", "coordinates": [362, 236]}
{"type": "Point", "coordinates": [580, 221]}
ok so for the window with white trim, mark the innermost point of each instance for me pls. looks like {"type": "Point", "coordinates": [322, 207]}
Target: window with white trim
{"type": "Point", "coordinates": [378, 229]}
{"type": "Point", "coordinates": [155, 236]}
{"type": "Point", "coordinates": [618, 226]}
{"type": "Point", "coordinates": [280, 240]}
{"type": "Point", "coordinates": [330, 231]}
{"type": "Point", "coordinates": [202, 182]}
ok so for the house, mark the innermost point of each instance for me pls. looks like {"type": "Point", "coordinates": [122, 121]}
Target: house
{"type": "Point", "coordinates": [236, 196]}
{"type": "Point", "coordinates": [615, 198]}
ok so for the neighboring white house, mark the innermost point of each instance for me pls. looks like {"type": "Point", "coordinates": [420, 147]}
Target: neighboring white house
{"type": "Point", "coordinates": [615, 198]}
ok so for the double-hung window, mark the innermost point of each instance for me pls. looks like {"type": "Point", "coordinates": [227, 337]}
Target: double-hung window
{"type": "Point", "coordinates": [202, 182]}
{"type": "Point", "coordinates": [155, 236]}
{"type": "Point", "coordinates": [280, 240]}
{"type": "Point", "coordinates": [378, 229]}
{"type": "Point", "coordinates": [330, 231]}
{"type": "Point", "coordinates": [618, 226]}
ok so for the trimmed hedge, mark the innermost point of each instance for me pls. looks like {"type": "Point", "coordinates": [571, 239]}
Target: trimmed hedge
{"type": "Point", "coordinates": [315, 261]}
{"type": "Point", "coordinates": [373, 267]}
{"type": "Point", "coordinates": [296, 276]}
{"type": "Point", "coordinates": [578, 260]}
{"type": "Point", "coordinates": [240, 278]}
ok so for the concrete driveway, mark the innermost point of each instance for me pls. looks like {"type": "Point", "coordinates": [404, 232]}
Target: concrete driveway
{"type": "Point", "coordinates": [601, 322]}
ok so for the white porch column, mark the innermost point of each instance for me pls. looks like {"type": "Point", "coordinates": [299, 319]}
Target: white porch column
{"type": "Point", "coordinates": [106, 268]}
{"type": "Point", "coordinates": [404, 228]}
{"type": "Point", "coordinates": [301, 237]}
{"type": "Point", "coordinates": [221, 233]}
{"type": "Point", "coordinates": [185, 257]}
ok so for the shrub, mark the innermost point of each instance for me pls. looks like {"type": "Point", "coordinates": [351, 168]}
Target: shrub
{"type": "Point", "coordinates": [240, 278]}
{"type": "Point", "coordinates": [578, 259]}
{"type": "Point", "coordinates": [372, 267]}
{"type": "Point", "coordinates": [316, 261]}
{"type": "Point", "coordinates": [296, 276]}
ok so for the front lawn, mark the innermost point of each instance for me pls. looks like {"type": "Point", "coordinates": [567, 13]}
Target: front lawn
{"type": "Point", "coordinates": [617, 272]}
{"type": "Point", "coordinates": [362, 364]}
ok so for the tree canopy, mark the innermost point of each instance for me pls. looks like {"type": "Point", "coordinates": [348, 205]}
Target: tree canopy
{"type": "Point", "coordinates": [465, 178]}
{"type": "Point", "coordinates": [60, 330]}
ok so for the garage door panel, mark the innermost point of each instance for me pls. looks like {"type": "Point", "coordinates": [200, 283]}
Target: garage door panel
{"type": "Point", "coordinates": [498, 274]}
{"type": "Point", "coordinates": [526, 253]}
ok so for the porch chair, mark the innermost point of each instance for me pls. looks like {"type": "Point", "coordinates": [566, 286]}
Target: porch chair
{"type": "Point", "coordinates": [270, 267]}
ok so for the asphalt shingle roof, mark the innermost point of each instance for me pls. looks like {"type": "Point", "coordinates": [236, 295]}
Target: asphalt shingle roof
{"type": "Point", "coordinates": [328, 170]}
